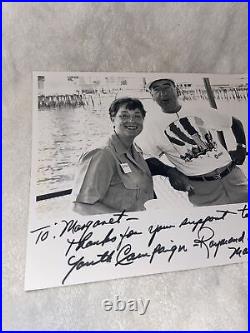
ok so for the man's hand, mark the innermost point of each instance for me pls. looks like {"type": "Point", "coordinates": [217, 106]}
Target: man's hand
{"type": "Point", "coordinates": [238, 156]}
{"type": "Point", "coordinates": [179, 181]}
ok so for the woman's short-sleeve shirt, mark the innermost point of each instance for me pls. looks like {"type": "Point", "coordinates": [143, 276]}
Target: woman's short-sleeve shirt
{"type": "Point", "coordinates": [112, 176]}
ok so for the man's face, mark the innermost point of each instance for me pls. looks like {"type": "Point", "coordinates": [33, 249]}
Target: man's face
{"type": "Point", "coordinates": [164, 93]}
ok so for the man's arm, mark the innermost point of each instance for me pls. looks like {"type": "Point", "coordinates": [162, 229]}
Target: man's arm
{"type": "Point", "coordinates": [177, 179]}
{"type": "Point", "coordinates": [238, 155]}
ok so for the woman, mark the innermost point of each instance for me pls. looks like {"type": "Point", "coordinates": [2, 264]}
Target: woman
{"type": "Point", "coordinates": [115, 177]}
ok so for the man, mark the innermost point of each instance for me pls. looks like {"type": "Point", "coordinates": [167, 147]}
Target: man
{"type": "Point", "coordinates": [188, 137]}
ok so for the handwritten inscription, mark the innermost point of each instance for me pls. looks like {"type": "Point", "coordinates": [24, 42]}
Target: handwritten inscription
{"type": "Point", "coordinates": [126, 256]}
{"type": "Point", "coordinates": [41, 233]}
{"type": "Point", "coordinates": [78, 264]}
{"type": "Point", "coordinates": [154, 230]}
{"type": "Point", "coordinates": [208, 243]}
{"type": "Point", "coordinates": [200, 223]}
{"type": "Point", "coordinates": [171, 250]}
{"type": "Point", "coordinates": [237, 251]}
{"type": "Point", "coordinates": [100, 242]}
{"type": "Point", "coordinates": [74, 226]}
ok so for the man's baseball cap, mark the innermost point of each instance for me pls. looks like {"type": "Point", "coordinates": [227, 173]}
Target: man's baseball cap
{"type": "Point", "coordinates": [150, 85]}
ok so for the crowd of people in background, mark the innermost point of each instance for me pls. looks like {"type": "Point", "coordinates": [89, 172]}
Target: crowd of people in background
{"type": "Point", "coordinates": [93, 99]}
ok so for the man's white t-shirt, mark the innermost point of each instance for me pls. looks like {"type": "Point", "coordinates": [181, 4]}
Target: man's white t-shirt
{"type": "Point", "coordinates": [188, 138]}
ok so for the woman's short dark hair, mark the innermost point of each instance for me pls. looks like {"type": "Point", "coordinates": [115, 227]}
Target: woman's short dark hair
{"type": "Point", "coordinates": [129, 103]}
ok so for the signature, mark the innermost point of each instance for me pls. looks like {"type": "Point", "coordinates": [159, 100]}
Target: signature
{"type": "Point", "coordinates": [206, 240]}
{"type": "Point", "coordinates": [238, 251]}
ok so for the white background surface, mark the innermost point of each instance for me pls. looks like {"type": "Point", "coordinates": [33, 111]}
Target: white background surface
{"type": "Point", "coordinates": [160, 37]}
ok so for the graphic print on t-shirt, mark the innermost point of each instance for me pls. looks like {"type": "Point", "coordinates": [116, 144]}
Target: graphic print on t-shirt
{"type": "Point", "coordinates": [190, 139]}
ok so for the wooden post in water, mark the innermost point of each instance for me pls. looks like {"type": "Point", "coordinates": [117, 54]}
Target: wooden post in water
{"type": "Point", "coordinates": [214, 106]}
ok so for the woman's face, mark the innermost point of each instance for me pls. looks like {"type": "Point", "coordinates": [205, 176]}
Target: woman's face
{"type": "Point", "coordinates": [128, 122]}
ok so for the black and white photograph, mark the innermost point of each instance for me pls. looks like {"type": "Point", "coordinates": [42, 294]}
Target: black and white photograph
{"type": "Point", "coordinates": [115, 157]}
{"type": "Point", "coordinates": [113, 142]}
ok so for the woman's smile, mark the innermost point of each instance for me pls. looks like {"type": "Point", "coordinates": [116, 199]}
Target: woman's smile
{"type": "Point", "coordinates": [131, 127]}
{"type": "Point", "coordinates": [128, 122]}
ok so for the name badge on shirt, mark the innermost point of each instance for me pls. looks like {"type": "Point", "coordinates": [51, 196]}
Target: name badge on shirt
{"type": "Point", "coordinates": [125, 167]}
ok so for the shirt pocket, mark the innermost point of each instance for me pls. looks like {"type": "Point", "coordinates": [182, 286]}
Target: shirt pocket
{"type": "Point", "coordinates": [125, 193]}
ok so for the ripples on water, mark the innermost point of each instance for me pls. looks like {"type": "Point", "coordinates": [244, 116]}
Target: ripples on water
{"type": "Point", "coordinates": [65, 133]}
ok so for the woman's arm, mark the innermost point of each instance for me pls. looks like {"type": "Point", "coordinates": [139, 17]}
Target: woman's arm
{"type": "Point", "coordinates": [92, 182]}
